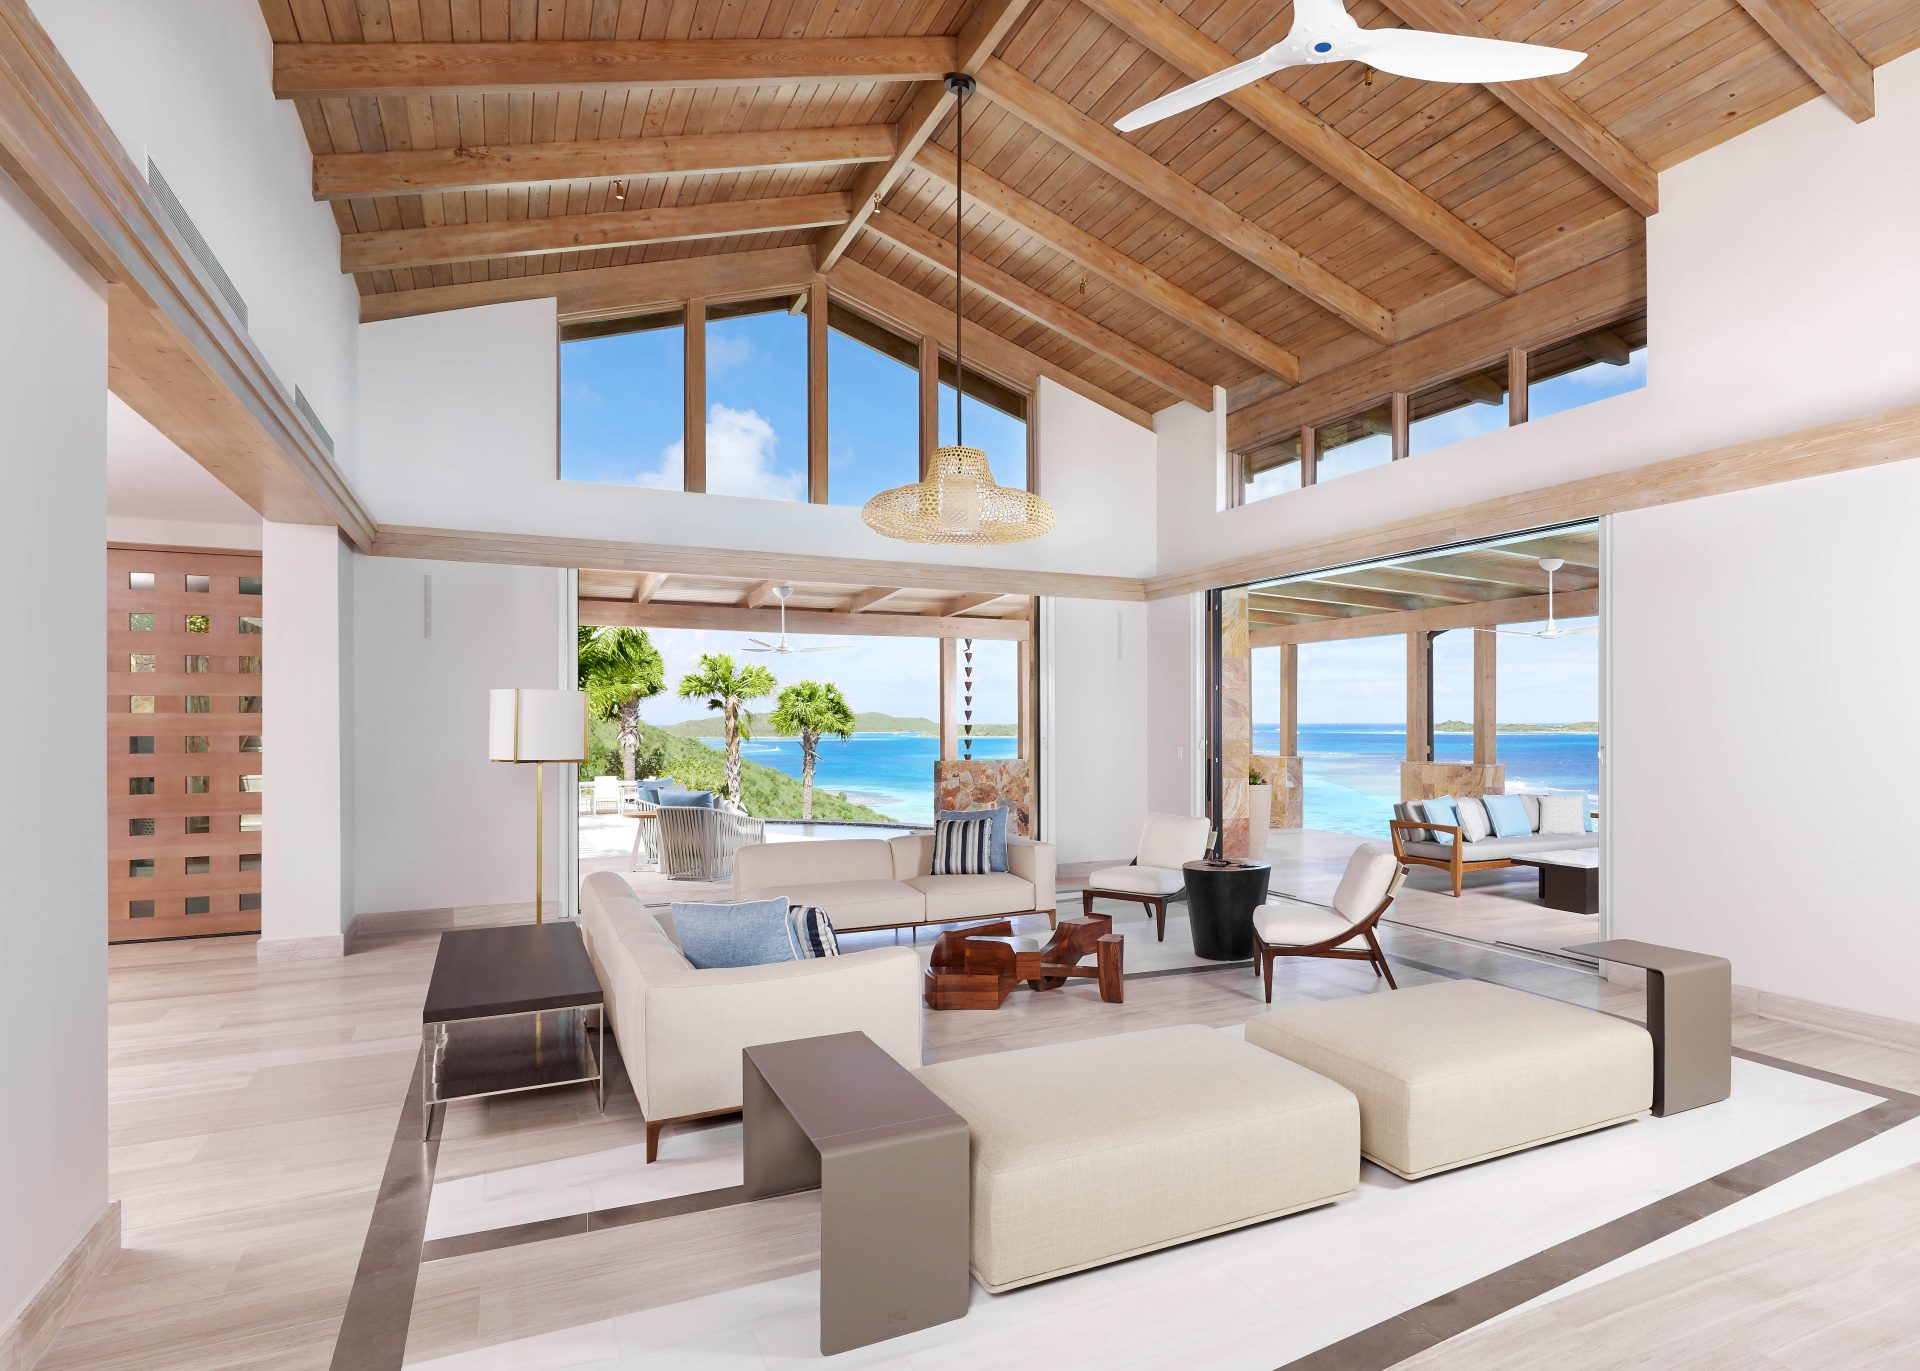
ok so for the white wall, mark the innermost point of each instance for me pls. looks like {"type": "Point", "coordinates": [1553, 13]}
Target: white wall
{"type": "Point", "coordinates": [1176, 733]}
{"type": "Point", "coordinates": [435, 823]}
{"type": "Point", "coordinates": [1783, 281]}
{"type": "Point", "coordinates": [1762, 750]}
{"type": "Point", "coordinates": [1094, 692]}
{"type": "Point", "coordinates": [53, 956]}
{"type": "Point", "coordinates": [157, 494]}
{"type": "Point", "coordinates": [459, 429]}
{"type": "Point", "coordinates": [190, 84]}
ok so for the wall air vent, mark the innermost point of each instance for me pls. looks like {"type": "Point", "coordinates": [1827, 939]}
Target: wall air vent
{"type": "Point", "coordinates": [301, 403]}
{"type": "Point", "coordinates": [181, 221]}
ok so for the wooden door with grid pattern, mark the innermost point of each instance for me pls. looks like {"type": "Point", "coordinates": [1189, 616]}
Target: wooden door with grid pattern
{"type": "Point", "coordinates": [184, 730]}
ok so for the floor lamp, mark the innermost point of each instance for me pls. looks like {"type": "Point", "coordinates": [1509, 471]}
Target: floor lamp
{"type": "Point", "coordinates": [537, 727]}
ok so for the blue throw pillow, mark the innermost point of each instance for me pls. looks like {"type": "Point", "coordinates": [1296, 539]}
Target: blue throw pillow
{"type": "Point", "coordinates": [648, 792]}
{"type": "Point", "coordinates": [1508, 816]}
{"type": "Point", "coordinates": [686, 799]}
{"type": "Point", "coordinates": [1440, 811]}
{"type": "Point", "coordinates": [997, 854]}
{"type": "Point", "coordinates": [750, 934]}
{"type": "Point", "coordinates": [812, 932]}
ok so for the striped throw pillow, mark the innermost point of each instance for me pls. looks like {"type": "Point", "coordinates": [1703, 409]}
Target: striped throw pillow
{"type": "Point", "coordinates": [810, 932]}
{"type": "Point", "coordinates": [963, 847]}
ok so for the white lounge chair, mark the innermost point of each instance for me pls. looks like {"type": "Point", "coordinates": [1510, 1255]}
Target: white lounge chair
{"type": "Point", "coordinates": [1167, 842]}
{"type": "Point", "coordinates": [1286, 927]}
{"type": "Point", "coordinates": [606, 794]}
{"type": "Point", "coordinates": [697, 843]}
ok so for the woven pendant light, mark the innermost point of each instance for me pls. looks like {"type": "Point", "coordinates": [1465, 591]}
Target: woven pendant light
{"type": "Point", "coordinates": [958, 501]}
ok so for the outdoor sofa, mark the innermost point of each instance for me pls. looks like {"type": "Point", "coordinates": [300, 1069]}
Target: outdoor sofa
{"type": "Point", "coordinates": [1457, 856]}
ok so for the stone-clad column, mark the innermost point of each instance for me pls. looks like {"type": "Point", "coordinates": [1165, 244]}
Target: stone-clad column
{"type": "Point", "coordinates": [1236, 725]}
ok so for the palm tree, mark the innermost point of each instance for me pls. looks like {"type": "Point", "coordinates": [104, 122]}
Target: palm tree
{"type": "Point", "coordinates": [727, 688]}
{"type": "Point", "coordinates": [810, 709]}
{"type": "Point", "coordinates": [620, 667]}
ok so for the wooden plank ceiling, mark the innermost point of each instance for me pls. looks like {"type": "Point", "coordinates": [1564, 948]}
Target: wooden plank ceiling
{"type": "Point", "coordinates": [659, 599]}
{"type": "Point", "coordinates": [1303, 224]}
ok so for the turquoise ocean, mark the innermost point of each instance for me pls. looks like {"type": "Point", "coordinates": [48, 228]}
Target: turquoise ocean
{"type": "Point", "coordinates": [1352, 771]}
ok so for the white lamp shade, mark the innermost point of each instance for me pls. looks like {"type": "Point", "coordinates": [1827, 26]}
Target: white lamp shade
{"type": "Point", "coordinates": [537, 726]}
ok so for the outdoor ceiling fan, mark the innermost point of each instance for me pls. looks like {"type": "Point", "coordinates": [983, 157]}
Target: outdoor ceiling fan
{"type": "Point", "coordinates": [1323, 32]}
{"type": "Point", "coordinates": [1552, 630]}
{"type": "Point", "coordinates": [783, 647]}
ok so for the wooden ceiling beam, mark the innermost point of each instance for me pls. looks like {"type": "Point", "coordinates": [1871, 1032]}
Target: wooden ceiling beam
{"type": "Point", "coordinates": [608, 292]}
{"type": "Point", "coordinates": [1551, 111]}
{"type": "Point", "coordinates": [760, 594]}
{"type": "Point", "coordinates": [1090, 252]}
{"type": "Point", "coordinates": [1430, 589]}
{"type": "Point", "coordinates": [870, 598]}
{"type": "Point", "coordinates": [1339, 593]}
{"type": "Point", "coordinates": [1596, 294]}
{"type": "Point", "coordinates": [1303, 605]}
{"type": "Point", "coordinates": [1186, 48]}
{"type": "Point", "coordinates": [422, 171]}
{"type": "Point", "coordinates": [730, 618]}
{"type": "Point", "coordinates": [1010, 290]}
{"type": "Point", "coordinates": [995, 355]}
{"type": "Point", "coordinates": [962, 604]}
{"type": "Point", "coordinates": [1489, 568]}
{"type": "Point", "coordinates": [648, 585]}
{"type": "Point", "coordinates": [1820, 50]}
{"type": "Point", "coordinates": [422, 247]}
{"type": "Point", "coordinates": [321, 70]}
{"type": "Point", "coordinates": [1578, 550]}
{"type": "Point", "coordinates": [986, 28]}
{"type": "Point", "coordinates": [1113, 154]}
{"type": "Point", "coordinates": [1523, 609]}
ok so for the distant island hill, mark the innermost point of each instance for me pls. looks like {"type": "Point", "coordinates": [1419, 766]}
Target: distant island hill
{"type": "Point", "coordinates": [863, 722]}
{"type": "Point", "coordinates": [1457, 726]}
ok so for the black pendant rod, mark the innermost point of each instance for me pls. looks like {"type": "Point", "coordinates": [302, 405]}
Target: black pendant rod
{"type": "Point", "coordinates": [962, 86]}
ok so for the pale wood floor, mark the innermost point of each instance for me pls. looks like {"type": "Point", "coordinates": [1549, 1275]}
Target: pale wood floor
{"type": "Point", "coordinates": [252, 1107]}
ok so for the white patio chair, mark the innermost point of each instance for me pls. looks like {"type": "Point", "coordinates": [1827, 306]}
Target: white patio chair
{"type": "Point", "coordinates": [606, 794]}
{"type": "Point", "coordinates": [1286, 927]}
{"type": "Point", "coordinates": [1167, 842]}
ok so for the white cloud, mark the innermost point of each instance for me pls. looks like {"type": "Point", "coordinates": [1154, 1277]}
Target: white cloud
{"type": "Point", "coordinates": [741, 446]}
{"type": "Point", "coordinates": [727, 350]}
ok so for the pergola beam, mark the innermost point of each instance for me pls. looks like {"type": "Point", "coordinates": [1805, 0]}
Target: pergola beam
{"type": "Point", "coordinates": [869, 598]}
{"type": "Point", "coordinates": [1186, 48]}
{"type": "Point", "coordinates": [648, 586]}
{"type": "Point", "coordinates": [420, 171]}
{"type": "Point", "coordinates": [732, 618]}
{"type": "Point", "coordinates": [962, 604]}
{"type": "Point", "coordinates": [986, 28]}
{"type": "Point", "coordinates": [1490, 568]}
{"type": "Point", "coordinates": [1090, 252]}
{"type": "Point", "coordinates": [1551, 111]}
{"type": "Point", "coordinates": [1334, 592]}
{"type": "Point", "coordinates": [1037, 305]}
{"type": "Point", "coordinates": [1521, 609]}
{"type": "Point", "coordinates": [1819, 49]}
{"type": "Point", "coordinates": [320, 70]}
{"type": "Point", "coordinates": [760, 594]}
{"type": "Point", "coordinates": [1113, 154]}
{"type": "Point", "coordinates": [422, 247]}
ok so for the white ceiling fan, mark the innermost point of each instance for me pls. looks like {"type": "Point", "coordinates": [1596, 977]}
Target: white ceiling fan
{"type": "Point", "coordinates": [1323, 32]}
{"type": "Point", "coordinates": [1552, 630]}
{"type": "Point", "coordinates": [783, 647]}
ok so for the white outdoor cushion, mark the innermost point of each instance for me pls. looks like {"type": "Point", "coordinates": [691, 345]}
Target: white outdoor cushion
{"type": "Point", "coordinates": [1460, 1071]}
{"type": "Point", "coordinates": [1141, 880]}
{"type": "Point", "coordinates": [1370, 871]}
{"type": "Point", "coordinates": [1294, 923]}
{"type": "Point", "coordinates": [1167, 840]}
{"type": "Point", "coordinates": [1087, 1152]}
{"type": "Point", "coordinates": [851, 904]}
{"type": "Point", "coordinates": [1563, 814]}
{"type": "Point", "coordinates": [1474, 824]}
{"type": "Point", "coordinates": [770, 866]}
{"type": "Point", "coordinates": [974, 897]}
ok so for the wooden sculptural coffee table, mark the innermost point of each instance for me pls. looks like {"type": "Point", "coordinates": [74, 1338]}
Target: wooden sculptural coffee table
{"type": "Point", "coordinates": [977, 968]}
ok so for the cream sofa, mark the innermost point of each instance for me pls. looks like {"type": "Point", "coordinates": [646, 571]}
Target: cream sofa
{"type": "Point", "coordinates": [887, 882]}
{"type": "Point", "coordinates": [681, 1030]}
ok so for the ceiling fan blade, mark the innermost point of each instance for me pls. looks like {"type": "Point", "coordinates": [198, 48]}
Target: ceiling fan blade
{"type": "Point", "coordinates": [836, 647]}
{"type": "Point", "coordinates": [1199, 92]}
{"type": "Point", "coordinates": [1428, 56]}
{"type": "Point", "coordinates": [763, 644]}
{"type": "Point", "coordinates": [1577, 632]}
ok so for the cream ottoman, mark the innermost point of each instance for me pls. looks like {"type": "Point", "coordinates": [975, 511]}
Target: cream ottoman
{"type": "Point", "coordinates": [1087, 1152]}
{"type": "Point", "coordinates": [1460, 1071]}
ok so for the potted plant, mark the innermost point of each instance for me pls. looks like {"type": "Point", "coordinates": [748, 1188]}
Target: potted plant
{"type": "Point", "coordinates": [1259, 810]}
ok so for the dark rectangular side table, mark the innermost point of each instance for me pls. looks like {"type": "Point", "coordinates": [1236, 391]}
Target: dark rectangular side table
{"type": "Point", "coordinates": [1569, 879]}
{"type": "Point", "coordinates": [508, 1010]}
{"type": "Point", "coordinates": [1689, 1014]}
{"type": "Point", "coordinates": [891, 1162]}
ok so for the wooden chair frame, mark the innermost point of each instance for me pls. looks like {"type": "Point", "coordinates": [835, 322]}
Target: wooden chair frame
{"type": "Point", "coordinates": [1266, 953]}
{"type": "Point", "coordinates": [1454, 864]}
{"type": "Point", "coordinates": [1156, 905]}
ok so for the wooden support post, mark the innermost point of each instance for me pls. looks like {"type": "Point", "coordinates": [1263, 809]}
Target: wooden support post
{"type": "Point", "coordinates": [1289, 699]}
{"type": "Point", "coordinates": [1486, 676]}
{"type": "Point", "coordinates": [929, 400]}
{"type": "Point", "coordinates": [1309, 456]}
{"type": "Point", "coordinates": [694, 466]}
{"type": "Point", "coordinates": [949, 699]}
{"type": "Point", "coordinates": [1419, 696]}
{"type": "Point", "coordinates": [817, 393]}
{"type": "Point", "coordinates": [1026, 668]}
{"type": "Point", "coordinates": [1402, 424]}
{"type": "Point", "coordinates": [1516, 386]}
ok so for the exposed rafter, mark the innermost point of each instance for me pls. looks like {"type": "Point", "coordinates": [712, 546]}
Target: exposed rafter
{"type": "Point", "coordinates": [342, 175]}
{"type": "Point", "coordinates": [1480, 614]}
{"type": "Point", "coordinates": [738, 620]}
{"type": "Point", "coordinates": [1063, 319]}
{"type": "Point", "coordinates": [315, 70]}
{"type": "Point", "coordinates": [1072, 241]}
{"type": "Point", "coordinates": [1818, 48]}
{"type": "Point", "coordinates": [420, 247]}
{"type": "Point", "coordinates": [1185, 47]}
{"type": "Point", "coordinates": [1153, 179]}
{"type": "Point", "coordinates": [1551, 111]}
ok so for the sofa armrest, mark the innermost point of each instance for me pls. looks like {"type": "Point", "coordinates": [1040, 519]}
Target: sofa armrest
{"type": "Point", "coordinates": [697, 1022]}
{"type": "Point", "coordinates": [1034, 862]}
{"type": "Point", "coordinates": [1408, 828]}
